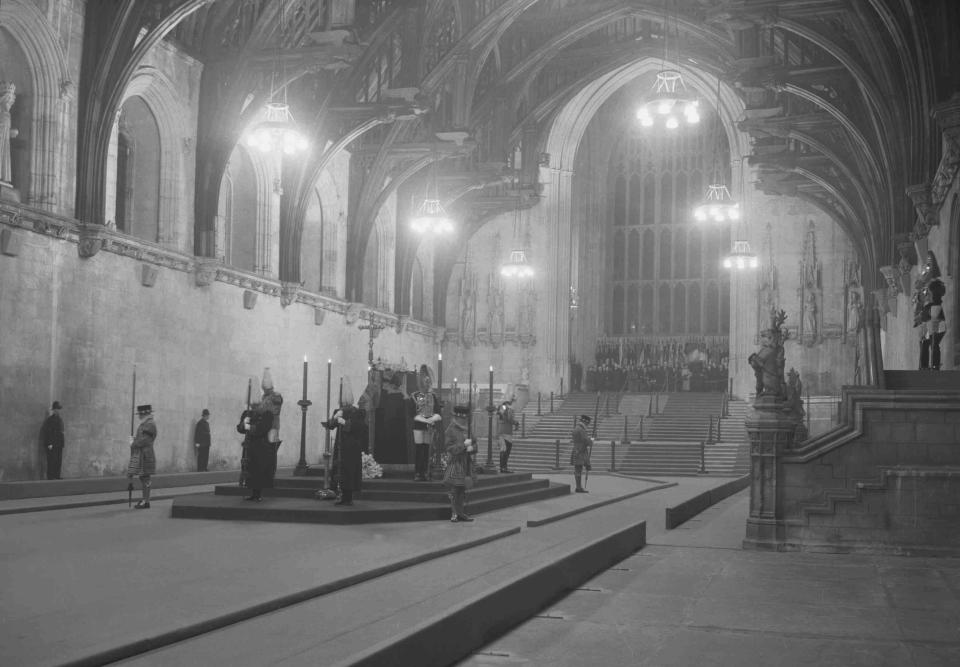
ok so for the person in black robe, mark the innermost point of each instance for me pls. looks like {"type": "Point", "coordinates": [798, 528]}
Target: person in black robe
{"type": "Point", "coordinates": [352, 437]}
{"type": "Point", "coordinates": [51, 439]}
{"type": "Point", "coordinates": [255, 424]}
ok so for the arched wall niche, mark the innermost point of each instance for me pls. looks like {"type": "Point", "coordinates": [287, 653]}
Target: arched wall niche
{"type": "Point", "coordinates": [48, 104]}
{"type": "Point", "coordinates": [169, 107]}
{"type": "Point", "coordinates": [246, 214]}
{"type": "Point", "coordinates": [133, 200]}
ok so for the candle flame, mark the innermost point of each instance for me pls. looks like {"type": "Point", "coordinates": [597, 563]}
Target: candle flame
{"type": "Point", "coordinates": [491, 369]}
{"type": "Point", "coordinates": [329, 361]}
{"type": "Point", "coordinates": [304, 358]}
{"type": "Point", "coordinates": [439, 356]}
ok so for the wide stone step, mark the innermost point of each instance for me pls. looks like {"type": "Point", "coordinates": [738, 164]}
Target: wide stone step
{"type": "Point", "coordinates": [302, 510]}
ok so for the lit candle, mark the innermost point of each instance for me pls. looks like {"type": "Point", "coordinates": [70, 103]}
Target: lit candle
{"type": "Point", "coordinates": [329, 371]}
{"type": "Point", "coordinates": [440, 373]}
{"type": "Point", "coordinates": [491, 385]}
{"type": "Point", "coordinates": [304, 377]}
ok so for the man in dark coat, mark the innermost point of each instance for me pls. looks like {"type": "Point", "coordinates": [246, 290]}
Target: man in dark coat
{"type": "Point", "coordinates": [52, 441]}
{"type": "Point", "coordinates": [255, 424]}
{"type": "Point", "coordinates": [352, 437]}
{"type": "Point", "coordinates": [201, 441]}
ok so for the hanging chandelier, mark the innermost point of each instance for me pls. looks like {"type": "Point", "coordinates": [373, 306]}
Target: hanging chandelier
{"type": "Point", "coordinates": [518, 266]}
{"type": "Point", "coordinates": [741, 257]}
{"type": "Point", "coordinates": [431, 217]}
{"type": "Point", "coordinates": [670, 103]}
{"type": "Point", "coordinates": [278, 133]}
{"type": "Point", "coordinates": [718, 205]}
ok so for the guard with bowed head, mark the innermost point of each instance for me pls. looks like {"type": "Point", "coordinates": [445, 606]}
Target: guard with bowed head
{"type": "Point", "coordinates": [425, 406]}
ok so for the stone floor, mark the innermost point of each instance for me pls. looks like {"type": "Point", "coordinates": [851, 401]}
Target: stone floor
{"type": "Point", "coordinates": [105, 574]}
{"type": "Point", "coordinates": [693, 597]}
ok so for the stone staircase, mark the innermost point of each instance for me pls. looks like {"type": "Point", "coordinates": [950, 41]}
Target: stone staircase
{"type": "Point", "coordinates": [731, 455]}
{"type": "Point", "coordinates": [683, 417]}
{"type": "Point", "coordinates": [538, 449]}
{"type": "Point", "coordinates": [671, 442]}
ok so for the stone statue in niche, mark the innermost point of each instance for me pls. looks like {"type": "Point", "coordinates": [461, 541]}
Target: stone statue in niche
{"type": "Point", "coordinates": [8, 95]}
{"type": "Point", "coordinates": [811, 290]}
{"type": "Point", "coordinates": [854, 312]}
{"type": "Point", "coordinates": [495, 310]}
{"type": "Point", "coordinates": [468, 311]}
{"type": "Point", "coordinates": [794, 404]}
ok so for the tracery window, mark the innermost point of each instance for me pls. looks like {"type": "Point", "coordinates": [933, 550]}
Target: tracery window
{"type": "Point", "coordinates": [655, 246]}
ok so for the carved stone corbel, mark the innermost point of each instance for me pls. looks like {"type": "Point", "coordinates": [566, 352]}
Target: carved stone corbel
{"type": "Point", "coordinates": [205, 272]}
{"type": "Point", "coordinates": [927, 217]}
{"type": "Point", "coordinates": [11, 241]}
{"type": "Point", "coordinates": [353, 313]}
{"type": "Point", "coordinates": [91, 240]}
{"type": "Point", "coordinates": [892, 276]}
{"type": "Point", "coordinates": [288, 293]}
{"type": "Point", "coordinates": [148, 275]}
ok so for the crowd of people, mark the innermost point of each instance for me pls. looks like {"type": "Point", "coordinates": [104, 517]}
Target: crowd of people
{"type": "Point", "coordinates": [694, 364]}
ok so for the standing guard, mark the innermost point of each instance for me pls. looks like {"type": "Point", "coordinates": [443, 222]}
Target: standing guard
{"type": "Point", "coordinates": [507, 422]}
{"type": "Point", "coordinates": [273, 402]}
{"type": "Point", "coordinates": [426, 407]}
{"type": "Point", "coordinates": [582, 446]}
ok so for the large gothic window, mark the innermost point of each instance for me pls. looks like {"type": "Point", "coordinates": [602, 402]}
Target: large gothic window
{"type": "Point", "coordinates": [665, 268]}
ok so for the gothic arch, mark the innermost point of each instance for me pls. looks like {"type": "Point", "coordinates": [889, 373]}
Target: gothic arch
{"type": "Point", "coordinates": [265, 246]}
{"type": "Point", "coordinates": [169, 109]}
{"type": "Point", "coordinates": [53, 92]}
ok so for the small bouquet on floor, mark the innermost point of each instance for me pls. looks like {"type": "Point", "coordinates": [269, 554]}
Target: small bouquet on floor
{"type": "Point", "coordinates": [371, 469]}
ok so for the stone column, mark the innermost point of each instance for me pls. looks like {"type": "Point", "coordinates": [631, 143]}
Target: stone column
{"type": "Point", "coordinates": [553, 321]}
{"type": "Point", "coordinates": [771, 432]}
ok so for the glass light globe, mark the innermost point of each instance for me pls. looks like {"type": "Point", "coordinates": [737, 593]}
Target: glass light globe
{"type": "Point", "coordinates": [672, 123]}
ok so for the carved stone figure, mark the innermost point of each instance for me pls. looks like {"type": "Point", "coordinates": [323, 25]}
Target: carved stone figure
{"type": "Point", "coordinates": [768, 362]}
{"type": "Point", "coordinates": [854, 312]}
{"type": "Point", "coordinates": [468, 306]}
{"type": "Point", "coordinates": [811, 317]}
{"type": "Point", "coordinates": [8, 95]}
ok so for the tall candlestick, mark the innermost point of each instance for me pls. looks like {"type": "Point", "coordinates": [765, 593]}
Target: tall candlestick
{"type": "Point", "coordinates": [304, 377]}
{"type": "Point", "coordinates": [302, 466]}
{"type": "Point", "coordinates": [326, 431]}
{"type": "Point", "coordinates": [490, 410]}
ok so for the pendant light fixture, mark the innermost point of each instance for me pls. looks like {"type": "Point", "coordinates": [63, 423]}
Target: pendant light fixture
{"type": "Point", "coordinates": [741, 256]}
{"type": "Point", "coordinates": [518, 266]}
{"type": "Point", "coordinates": [278, 131]}
{"type": "Point", "coordinates": [670, 105]}
{"type": "Point", "coordinates": [718, 205]}
{"type": "Point", "coordinates": [431, 218]}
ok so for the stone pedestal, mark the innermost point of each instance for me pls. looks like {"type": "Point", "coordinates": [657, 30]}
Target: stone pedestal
{"type": "Point", "coordinates": [772, 432]}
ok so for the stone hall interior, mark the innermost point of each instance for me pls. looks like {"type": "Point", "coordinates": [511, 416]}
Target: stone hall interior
{"type": "Point", "coordinates": [741, 215]}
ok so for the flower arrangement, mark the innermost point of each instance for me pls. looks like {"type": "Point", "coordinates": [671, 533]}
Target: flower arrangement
{"type": "Point", "coordinates": [371, 469]}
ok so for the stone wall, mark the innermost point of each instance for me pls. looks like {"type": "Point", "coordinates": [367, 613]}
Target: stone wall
{"type": "Point", "coordinates": [886, 480]}
{"type": "Point", "coordinates": [73, 329]}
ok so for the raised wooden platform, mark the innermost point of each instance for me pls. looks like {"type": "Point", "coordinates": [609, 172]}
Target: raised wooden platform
{"type": "Point", "coordinates": [382, 500]}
